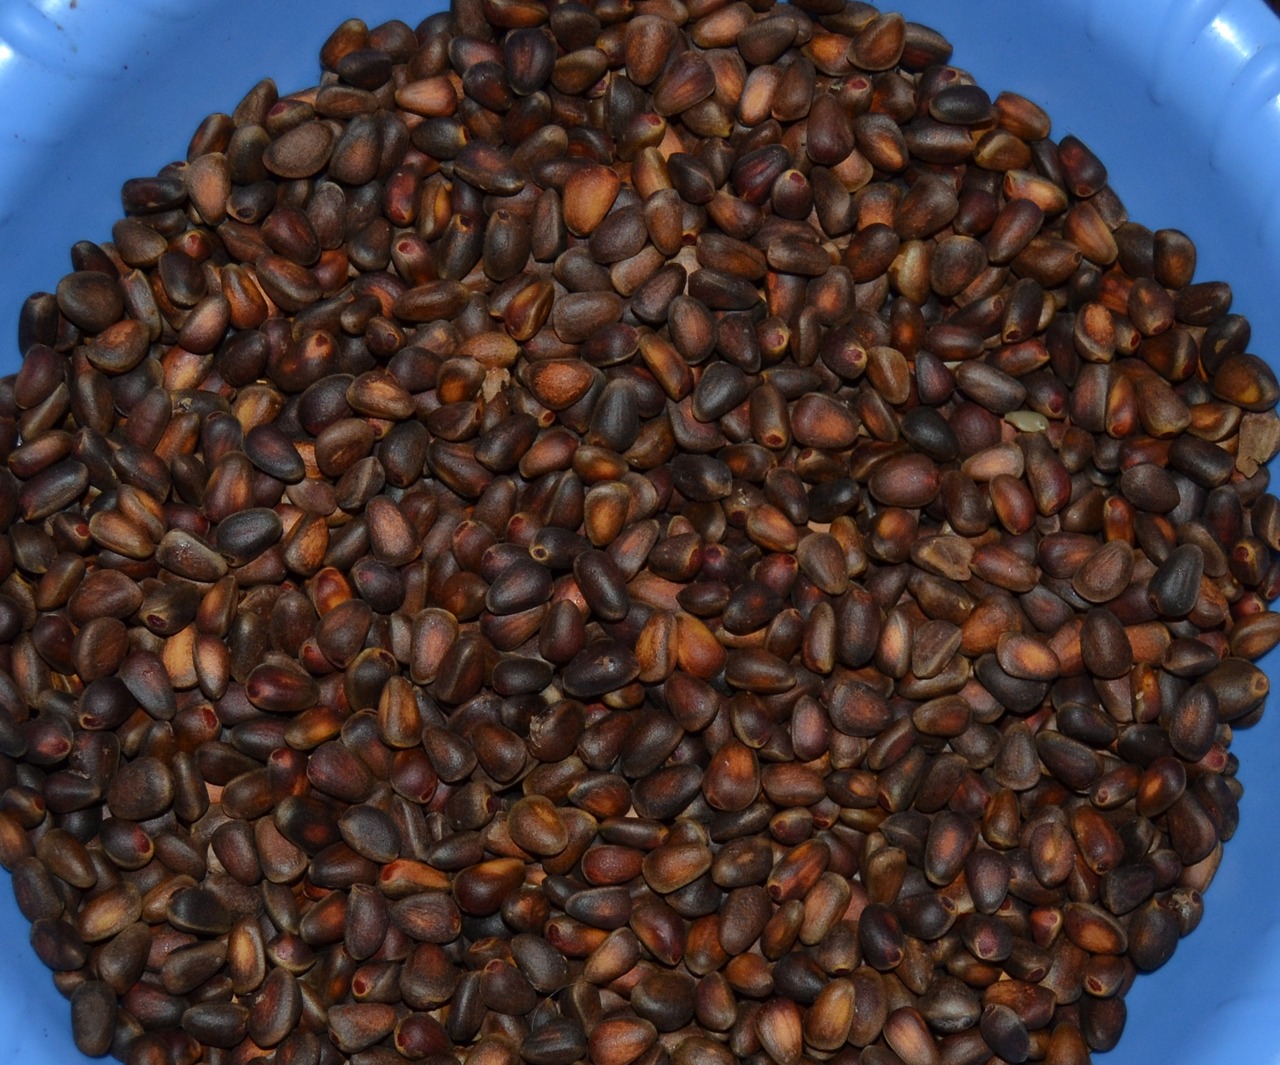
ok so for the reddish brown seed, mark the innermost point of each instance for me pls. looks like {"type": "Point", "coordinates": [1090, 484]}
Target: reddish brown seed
{"type": "Point", "coordinates": [908, 1035]}
{"type": "Point", "coordinates": [878, 45]}
{"type": "Point", "coordinates": [588, 195]}
{"type": "Point", "coordinates": [621, 1040]}
{"type": "Point", "coordinates": [1026, 657]}
{"type": "Point", "coordinates": [905, 481]}
{"type": "Point", "coordinates": [687, 80]}
{"type": "Point", "coordinates": [535, 826]}
{"type": "Point", "coordinates": [779, 1028]}
{"type": "Point", "coordinates": [1092, 929]}
{"type": "Point", "coordinates": [732, 780]}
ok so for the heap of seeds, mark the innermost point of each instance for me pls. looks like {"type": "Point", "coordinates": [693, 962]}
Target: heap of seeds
{"type": "Point", "coordinates": [636, 533]}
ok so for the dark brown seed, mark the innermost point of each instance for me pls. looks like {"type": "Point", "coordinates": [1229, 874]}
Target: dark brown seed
{"type": "Point", "coordinates": [91, 300]}
{"type": "Point", "coordinates": [1105, 574]}
{"type": "Point", "coordinates": [1104, 646]}
{"type": "Point", "coordinates": [880, 935]}
{"type": "Point", "coordinates": [300, 152]}
{"type": "Point", "coordinates": [141, 790]}
{"type": "Point", "coordinates": [93, 1017]}
{"type": "Point", "coordinates": [1153, 935]}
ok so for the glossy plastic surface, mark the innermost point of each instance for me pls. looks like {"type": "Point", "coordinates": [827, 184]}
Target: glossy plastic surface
{"type": "Point", "coordinates": [1180, 99]}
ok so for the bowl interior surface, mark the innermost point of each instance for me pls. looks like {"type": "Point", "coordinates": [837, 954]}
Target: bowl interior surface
{"type": "Point", "coordinates": [1179, 99]}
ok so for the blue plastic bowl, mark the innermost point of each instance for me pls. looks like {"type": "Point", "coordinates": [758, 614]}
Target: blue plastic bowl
{"type": "Point", "coordinates": [1180, 98]}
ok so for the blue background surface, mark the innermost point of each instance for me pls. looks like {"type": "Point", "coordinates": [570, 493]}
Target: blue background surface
{"type": "Point", "coordinates": [1180, 99]}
